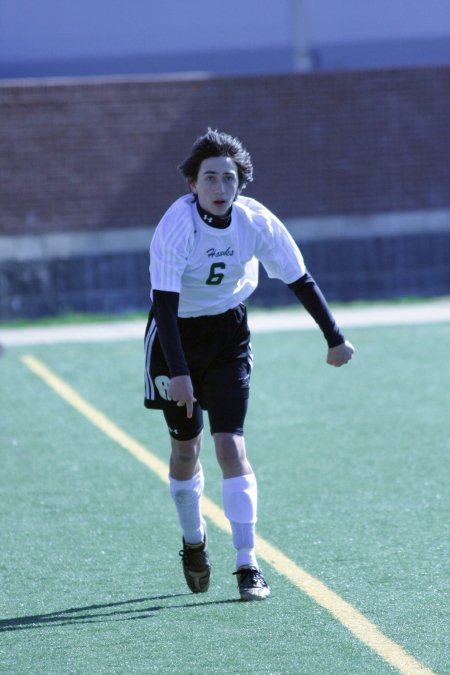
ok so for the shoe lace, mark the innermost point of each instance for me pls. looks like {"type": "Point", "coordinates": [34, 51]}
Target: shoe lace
{"type": "Point", "coordinates": [192, 555]}
{"type": "Point", "coordinates": [251, 574]}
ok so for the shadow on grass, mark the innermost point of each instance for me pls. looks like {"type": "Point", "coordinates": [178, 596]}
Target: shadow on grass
{"type": "Point", "coordinates": [113, 611]}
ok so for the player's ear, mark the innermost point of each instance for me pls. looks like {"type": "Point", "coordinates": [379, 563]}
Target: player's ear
{"type": "Point", "coordinates": [193, 187]}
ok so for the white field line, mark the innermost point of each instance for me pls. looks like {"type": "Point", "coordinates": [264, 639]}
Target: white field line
{"type": "Point", "coordinates": [436, 311]}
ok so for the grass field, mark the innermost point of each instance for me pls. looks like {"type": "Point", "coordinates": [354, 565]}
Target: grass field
{"type": "Point", "coordinates": [353, 469]}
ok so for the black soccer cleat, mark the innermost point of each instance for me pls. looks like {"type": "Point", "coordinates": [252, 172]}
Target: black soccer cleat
{"type": "Point", "coordinates": [196, 566]}
{"type": "Point", "coordinates": [251, 583]}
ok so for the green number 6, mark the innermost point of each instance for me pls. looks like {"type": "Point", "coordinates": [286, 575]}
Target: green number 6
{"type": "Point", "coordinates": [215, 278]}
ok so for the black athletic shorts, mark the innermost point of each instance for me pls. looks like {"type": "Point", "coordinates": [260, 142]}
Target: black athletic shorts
{"type": "Point", "coordinates": [218, 352]}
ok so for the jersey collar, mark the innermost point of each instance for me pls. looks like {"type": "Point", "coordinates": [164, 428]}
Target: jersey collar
{"type": "Point", "coordinates": [219, 222]}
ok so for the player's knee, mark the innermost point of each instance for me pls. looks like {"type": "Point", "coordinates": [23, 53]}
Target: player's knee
{"type": "Point", "coordinates": [186, 452]}
{"type": "Point", "coordinates": [230, 451]}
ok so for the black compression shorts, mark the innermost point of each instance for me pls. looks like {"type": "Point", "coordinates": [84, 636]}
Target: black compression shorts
{"type": "Point", "coordinates": [225, 415]}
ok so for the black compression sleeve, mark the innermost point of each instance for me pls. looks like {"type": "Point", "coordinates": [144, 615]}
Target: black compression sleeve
{"type": "Point", "coordinates": [165, 311]}
{"type": "Point", "coordinates": [312, 299]}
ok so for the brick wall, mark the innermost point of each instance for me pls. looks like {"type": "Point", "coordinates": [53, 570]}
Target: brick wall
{"type": "Point", "coordinates": [88, 159]}
{"type": "Point", "coordinates": [91, 155]}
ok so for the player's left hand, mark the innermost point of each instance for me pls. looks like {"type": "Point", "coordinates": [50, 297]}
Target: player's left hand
{"type": "Point", "coordinates": [340, 355]}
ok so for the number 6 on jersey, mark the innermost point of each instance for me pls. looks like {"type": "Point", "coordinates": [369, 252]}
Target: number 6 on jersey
{"type": "Point", "coordinates": [215, 278]}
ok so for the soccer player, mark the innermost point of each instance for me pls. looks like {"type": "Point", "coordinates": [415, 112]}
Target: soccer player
{"type": "Point", "coordinates": [203, 266]}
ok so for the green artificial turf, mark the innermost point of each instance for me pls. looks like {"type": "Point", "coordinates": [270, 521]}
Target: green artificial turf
{"type": "Point", "coordinates": [352, 468]}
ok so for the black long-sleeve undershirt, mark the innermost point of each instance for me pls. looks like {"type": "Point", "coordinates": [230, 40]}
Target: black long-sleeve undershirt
{"type": "Point", "coordinates": [312, 299]}
{"type": "Point", "coordinates": [165, 311]}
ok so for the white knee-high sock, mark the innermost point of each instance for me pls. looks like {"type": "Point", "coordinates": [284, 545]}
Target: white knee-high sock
{"type": "Point", "coordinates": [187, 494]}
{"type": "Point", "coordinates": [240, 496]}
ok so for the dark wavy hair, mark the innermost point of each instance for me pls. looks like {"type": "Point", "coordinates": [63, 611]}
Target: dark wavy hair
{"type": "Point", "coordinates": [218, 144]}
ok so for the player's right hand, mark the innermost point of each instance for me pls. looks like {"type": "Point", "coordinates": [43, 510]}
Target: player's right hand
{"type": "Point", "coordinates": [181, 390]}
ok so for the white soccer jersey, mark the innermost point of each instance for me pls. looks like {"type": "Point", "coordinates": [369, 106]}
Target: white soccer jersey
{"type": "Point", "coordinates": [215, 269]}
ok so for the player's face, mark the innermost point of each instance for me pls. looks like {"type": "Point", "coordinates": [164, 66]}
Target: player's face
{"type": "Point", "coordinates": [216, 185]}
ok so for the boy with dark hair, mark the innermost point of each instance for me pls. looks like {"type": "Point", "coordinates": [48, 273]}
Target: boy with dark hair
{"type": "Point", "coordinates": [204, 259]}
{"type": "Point", "coordinates": [215, 144]}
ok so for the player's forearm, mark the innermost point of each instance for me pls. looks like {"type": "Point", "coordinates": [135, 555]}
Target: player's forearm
{"type": "Point", "coordinates": [311, 297]}
{"type": "Point", "coordinates": [165, 311]}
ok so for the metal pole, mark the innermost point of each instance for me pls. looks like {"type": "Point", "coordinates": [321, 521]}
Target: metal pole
{"type": "Point", "coordinates": [298, 12]}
